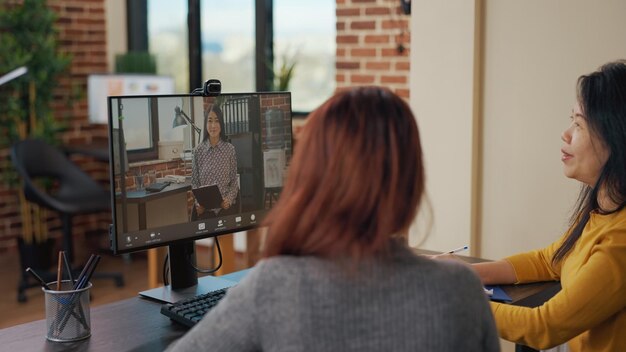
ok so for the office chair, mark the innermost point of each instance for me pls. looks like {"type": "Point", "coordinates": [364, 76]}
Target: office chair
{"type": "Point", "coordinates": [74, 193]}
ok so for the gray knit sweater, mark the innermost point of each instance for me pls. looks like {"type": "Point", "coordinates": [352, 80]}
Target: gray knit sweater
{"type": "Point", "coordinates": [402, 303]}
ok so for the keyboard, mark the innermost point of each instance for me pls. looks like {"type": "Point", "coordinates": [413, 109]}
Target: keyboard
{"type": "Point", "coordinates": [190, 311]}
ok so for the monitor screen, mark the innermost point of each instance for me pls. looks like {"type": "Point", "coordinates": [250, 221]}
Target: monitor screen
{"type": "Point", "coordinates": [186, 167]}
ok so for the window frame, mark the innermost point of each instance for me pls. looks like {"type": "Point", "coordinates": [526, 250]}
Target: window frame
{"type": "Point", "coordinates": [152, 153]}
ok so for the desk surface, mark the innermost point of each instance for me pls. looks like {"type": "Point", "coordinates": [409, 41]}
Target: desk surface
{"type": "Point", "coordinates": [137, 325]}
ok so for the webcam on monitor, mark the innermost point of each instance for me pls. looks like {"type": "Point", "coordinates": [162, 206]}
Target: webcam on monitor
{"type": "Point", "coordinates": [210, 88]}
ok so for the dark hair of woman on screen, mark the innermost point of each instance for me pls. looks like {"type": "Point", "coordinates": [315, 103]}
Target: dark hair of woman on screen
{"type": "Point", "coordinates": [338, 274]}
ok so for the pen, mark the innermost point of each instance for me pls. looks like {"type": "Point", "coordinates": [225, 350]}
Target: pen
{"type": "Point", "coordinates": [68, 269]}
{"type": "Point", "coordinates": [38, 278]}
{"type": "Point", "coordinates": [82, 282]}
{"type": "Point", "coordinates": [83, 272]}
{"type": "Point", "coordinates": [460, 249]}
{"type": "Point", "coordinates": [60, 271]}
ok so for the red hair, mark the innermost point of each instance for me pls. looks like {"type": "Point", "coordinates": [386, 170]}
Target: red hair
{"type": "Point", "coordinates": [356, 178]}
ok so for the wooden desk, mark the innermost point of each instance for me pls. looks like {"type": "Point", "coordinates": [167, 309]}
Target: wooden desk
{"type": "Point", "coordinates": [525, 295]}
{"type": "Point", "coordinates": [137, 325]}
{"type": "Point", "coordinates": [133, 324]}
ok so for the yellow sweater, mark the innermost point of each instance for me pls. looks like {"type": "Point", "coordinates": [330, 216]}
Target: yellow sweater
{"type": "Point", "coordinates": [590, 310]}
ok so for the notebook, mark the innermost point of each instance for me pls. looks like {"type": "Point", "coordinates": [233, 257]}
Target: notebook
{"type": "Point", "coordinates": [157, 187]}
{"type": "Point", "coordinates": [497, 294]}
{"type": "Point", "coordinates": [208, 196]}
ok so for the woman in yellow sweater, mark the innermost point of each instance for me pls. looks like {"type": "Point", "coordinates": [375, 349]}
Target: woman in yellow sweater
{"type": "Point", "coordinates": [590, 259]}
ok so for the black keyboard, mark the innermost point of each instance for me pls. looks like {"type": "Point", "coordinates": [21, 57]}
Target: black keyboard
{"type": "Point", "coordinates": [191, 310]}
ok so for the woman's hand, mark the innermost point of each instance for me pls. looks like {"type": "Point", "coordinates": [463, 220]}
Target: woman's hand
{"type": "Point", "coordinates": [199, 209]}
{"type": "Point", "coordinates": [490, 273]}
{"type": "Point", "coordinates": [225, 204]}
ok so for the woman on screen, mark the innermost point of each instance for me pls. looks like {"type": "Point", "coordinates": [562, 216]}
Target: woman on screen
{"type": "Point", "coordinates": [215, 163]}
{"type": "Point", "coordinates": [338, 274]}
{"type": "Point", "coordinates": [589, 313]}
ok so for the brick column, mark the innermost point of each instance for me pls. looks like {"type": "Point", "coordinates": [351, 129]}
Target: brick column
{"type": "Point", "coordinates": [373, 44]}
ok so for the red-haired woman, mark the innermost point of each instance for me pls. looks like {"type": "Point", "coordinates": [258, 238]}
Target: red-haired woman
{"type": "Point", "coordinates": [338, 274]}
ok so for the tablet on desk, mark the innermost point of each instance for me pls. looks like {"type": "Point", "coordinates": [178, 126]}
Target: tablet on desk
{"type": "Point", "coordinates": [208, 196]}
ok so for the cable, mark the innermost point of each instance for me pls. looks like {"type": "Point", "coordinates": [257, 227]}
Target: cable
{"type": "Point", "coordinates": [166, 268]}
{"type": "Point", "coordinates": [219, 264]}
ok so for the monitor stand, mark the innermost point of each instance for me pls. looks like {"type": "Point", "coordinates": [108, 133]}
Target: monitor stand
{"type": "Point", "coordinates": [166, 294]}
{"type": "Point", "coordinates": [184, 279]}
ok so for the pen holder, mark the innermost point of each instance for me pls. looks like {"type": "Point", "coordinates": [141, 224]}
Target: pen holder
{"type": "Point", "coordinates": [67, 313]}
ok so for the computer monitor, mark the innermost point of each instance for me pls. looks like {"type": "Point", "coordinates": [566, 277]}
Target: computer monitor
{"type": "Point", "coordinates": [166, 142]}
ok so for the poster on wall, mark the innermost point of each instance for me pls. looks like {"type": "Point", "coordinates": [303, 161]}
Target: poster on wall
{"type": "Point", "coordinates": [274, 165]}
{"type": "Point", "coordinates": [99, 87]}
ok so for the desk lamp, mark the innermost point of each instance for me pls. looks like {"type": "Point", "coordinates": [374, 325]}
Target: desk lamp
{"type": "Point", "coordinates": [181, 119]}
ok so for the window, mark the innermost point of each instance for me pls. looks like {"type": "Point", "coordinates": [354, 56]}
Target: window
{"type": "Point", "coordinates": [168, 40]}
{"type": "Point", "coordinates": [228, 43]}
{"type": "Point", "coordinates": [139, 132]}
{"type": "Point", "coordinates": [304, 31]}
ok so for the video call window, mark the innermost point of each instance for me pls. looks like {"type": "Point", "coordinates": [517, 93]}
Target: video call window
{"type": "Point", "coordinates": [187, 167]}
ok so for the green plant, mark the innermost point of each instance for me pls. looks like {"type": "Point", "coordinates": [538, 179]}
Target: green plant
{"type": "Point", "coordinates": [28, 38]}
{"type": "Point", "coordinates": [135, 62]}
{"type": "Point", "coordinates": [284, 73]}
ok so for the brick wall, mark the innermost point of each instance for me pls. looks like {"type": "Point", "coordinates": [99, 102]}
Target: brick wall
{"type": "Point", "coordinates": [373, 45]}
{"type": "Point", "coordinates": [82, 33]}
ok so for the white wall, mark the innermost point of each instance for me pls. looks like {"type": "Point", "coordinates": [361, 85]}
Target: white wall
{"type": "Point", "coordinates": [116, 30]}
{"type": "Point", "coordinates": [534, 51]}
{"type": "Point", "coordinates": [442, 100]}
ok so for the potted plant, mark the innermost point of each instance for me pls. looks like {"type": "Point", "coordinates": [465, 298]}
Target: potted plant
{"type": "Point", "coordinates": [29, 39]}
{"type": "Point", "coordinates": [284, 73]}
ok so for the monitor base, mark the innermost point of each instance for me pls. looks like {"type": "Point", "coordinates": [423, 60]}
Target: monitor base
{"type": "Point", "coordinates": [165, 294]}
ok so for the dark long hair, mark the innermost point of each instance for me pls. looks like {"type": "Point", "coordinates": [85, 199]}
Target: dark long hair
{"type": "Point", "coordinates": [220, 116]}
{"type": "Point", "coordinates": [602, 96]}
{"type": "Point", "coordinates": [356, 178]}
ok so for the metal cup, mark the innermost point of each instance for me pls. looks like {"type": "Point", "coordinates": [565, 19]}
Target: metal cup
{"type": "Point", "coordinates": [67, 313]}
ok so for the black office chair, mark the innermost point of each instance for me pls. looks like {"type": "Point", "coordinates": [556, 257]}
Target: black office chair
{"type": "Point", "coordinates": [74, 193]}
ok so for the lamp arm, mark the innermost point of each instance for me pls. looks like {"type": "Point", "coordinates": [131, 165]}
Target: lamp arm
{"type": "Point", "coordinates": [193, 125]}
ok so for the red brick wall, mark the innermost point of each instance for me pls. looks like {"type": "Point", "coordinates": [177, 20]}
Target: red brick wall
{"type": "Point", "coordinates": [373, 45]}
{"type": "Point", "coordinates": [82, 33]}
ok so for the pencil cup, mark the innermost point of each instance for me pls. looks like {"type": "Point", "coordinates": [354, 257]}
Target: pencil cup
{"type": "Point", "coordinates": [67, 313]}
{"type": "Point", "coordinates": [139, 184]}
{"type": "Point", "coordinates": [151, 178]}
